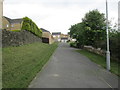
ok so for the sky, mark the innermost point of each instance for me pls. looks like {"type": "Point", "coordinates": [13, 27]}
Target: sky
{"type": "Point", "coordinates": [58, 15]}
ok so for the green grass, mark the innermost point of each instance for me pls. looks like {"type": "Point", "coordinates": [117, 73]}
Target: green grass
{"type": "Point", "coordinates": [101, 60]}
{"type": "Point", "coordinates": [21, 64]}
{"type": "Point", "coordinates": [0, 67]}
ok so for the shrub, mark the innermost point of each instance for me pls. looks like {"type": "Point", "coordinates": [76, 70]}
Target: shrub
{"type": "Point", "coordinates": [73, 44]}
{"type": "Point", "coordinates": [115, 46]}
{"type": "Point", "coordinates": [29, 25]}
{"type": "Point", "coordinates": [68, 41]}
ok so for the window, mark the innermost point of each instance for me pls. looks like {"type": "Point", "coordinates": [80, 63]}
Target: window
{"type": "Point", "coordinates": [7, 25]}
{"type": "Point", "coordinates": [53, 36]}
{"type": "Point", "coordinates": [58, 36]}
{"type": "Point", "coordinates": [12, 25]}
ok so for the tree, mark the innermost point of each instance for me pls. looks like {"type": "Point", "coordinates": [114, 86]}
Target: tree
{"type": "Point", "coordinates": [91, 31]}
{"type": "Point", "coordinates": [94, 27]}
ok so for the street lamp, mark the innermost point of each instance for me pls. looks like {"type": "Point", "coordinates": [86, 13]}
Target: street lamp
{"type": "Point", "coordinates": [107, 52]}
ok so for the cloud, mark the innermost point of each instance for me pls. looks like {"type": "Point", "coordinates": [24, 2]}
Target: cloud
{"type": "Point", "coordinates": [56, 15]}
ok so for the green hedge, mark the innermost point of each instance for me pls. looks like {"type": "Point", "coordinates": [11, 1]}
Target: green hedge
{"type": "Point", "coordinates": [73, 44]}
{"type": "Point", "coordinates": [29, 25]}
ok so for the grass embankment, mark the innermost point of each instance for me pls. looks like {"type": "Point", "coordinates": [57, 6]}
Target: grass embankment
{"type": "Point", "coordinates": [21, 64]}
{"type": "Point", "coordinates": [101, 60]}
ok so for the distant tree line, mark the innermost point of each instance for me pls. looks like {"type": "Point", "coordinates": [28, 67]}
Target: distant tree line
{"type": "Point", "coordinates": [92, 31]}
{"type": "Point", "coordinates": [29, 25]}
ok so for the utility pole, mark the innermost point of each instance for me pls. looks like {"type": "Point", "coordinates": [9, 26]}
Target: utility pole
{"type": "Point", "coordinates": [107, 52]}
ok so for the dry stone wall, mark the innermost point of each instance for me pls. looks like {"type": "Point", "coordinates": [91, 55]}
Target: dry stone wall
{"type": "Point", "coordinates": [94, 50]}
{"type": "Point", "coordinates": [10, 38]}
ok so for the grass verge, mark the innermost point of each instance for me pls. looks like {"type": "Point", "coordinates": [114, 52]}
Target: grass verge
{"type": "Point", "coordinates": [21, 64]}
{"type": "Point", "coordinates": [101, 60]}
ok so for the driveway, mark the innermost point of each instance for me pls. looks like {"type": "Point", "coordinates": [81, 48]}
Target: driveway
{"type": "Point", "coordinates": [69, 69]}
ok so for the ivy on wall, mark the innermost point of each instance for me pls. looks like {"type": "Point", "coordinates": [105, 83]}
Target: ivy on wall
{"type": "Point", "coordinates": [29, 25]}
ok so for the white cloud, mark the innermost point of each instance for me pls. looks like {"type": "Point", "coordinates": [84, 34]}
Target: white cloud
{"type": "Point", "coordinates": [56, 15]}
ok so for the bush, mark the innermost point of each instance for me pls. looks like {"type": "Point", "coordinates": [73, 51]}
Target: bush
{"type": "Point", "coordinates": [115, 46]}
{"type": "Point", "coordinates": [68, 41]}
{"type": "Point", "coordinates": [73, 44]}
{"type": "Point", "coordinates": [29, 25]}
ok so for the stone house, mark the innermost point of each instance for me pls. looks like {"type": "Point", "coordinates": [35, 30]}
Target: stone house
{"type": "Point", "coordinates": [64, 37]}
{"type": "Point", "coordinates": [47, 36]}
{"type": "Point", "coordinates": [57, 36]}
{"type": "Point", "coordinates": [12, 24]}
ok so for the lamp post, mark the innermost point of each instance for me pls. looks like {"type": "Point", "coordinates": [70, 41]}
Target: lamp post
{"type": "Point", "coordinates": [119, 16]}
{"type": "Point", "coordinates": [107, 52]}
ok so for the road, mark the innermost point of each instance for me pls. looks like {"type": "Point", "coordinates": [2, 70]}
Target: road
{"type": "Point", "coordinates": [69, 69]}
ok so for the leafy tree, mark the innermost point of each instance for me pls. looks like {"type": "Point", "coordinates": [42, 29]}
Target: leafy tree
{"type": "Point", "coordinates": [94, 27]}
{"type": "Point", "coordinates": [91, 31]}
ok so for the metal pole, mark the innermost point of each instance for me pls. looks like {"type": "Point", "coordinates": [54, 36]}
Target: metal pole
{"type": "Point", "coordinates": [107, 52]}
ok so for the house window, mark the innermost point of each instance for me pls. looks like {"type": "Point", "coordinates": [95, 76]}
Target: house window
{"type": "Point", "coordinates": [12, 25]}
{"type": "Point", "coordinates": [7, 25]}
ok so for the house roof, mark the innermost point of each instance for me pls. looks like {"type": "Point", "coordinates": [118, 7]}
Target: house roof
{"type": "Point", "coordinates": [43, 30]}
{"type": "Point", "coordinates": [14, 20]}
{"type": "Point", "coordinates": [56, 33]}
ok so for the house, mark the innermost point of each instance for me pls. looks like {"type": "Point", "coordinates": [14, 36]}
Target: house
{"type": "Point", "coordinates": [47, 36]}
{"type": "Point", "coordinates": [12, 24]}
{"type": "Point", "coordinates": [57, 36]}
{"type": "Point", "coordinates": [1, 13]}
{"type": "Point", "coordinates": [64, 37]}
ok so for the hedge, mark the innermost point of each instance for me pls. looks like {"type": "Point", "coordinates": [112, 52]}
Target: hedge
{"type": "Point", "coordinates": [29, 25]}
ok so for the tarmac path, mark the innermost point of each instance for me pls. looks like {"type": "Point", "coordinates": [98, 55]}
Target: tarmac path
{"type": "Point", "coordinates": [69, 69]}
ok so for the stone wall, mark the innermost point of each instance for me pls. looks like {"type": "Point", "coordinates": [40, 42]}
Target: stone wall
{"type": "Point", "coordinates": [94, 50]}
{"type": "Point", "coordinates": [10, 38]}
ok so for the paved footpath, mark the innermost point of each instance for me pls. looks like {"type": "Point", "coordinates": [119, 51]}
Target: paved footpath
{"type": "Point", "coordinates": [69, 69]}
